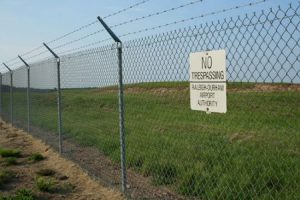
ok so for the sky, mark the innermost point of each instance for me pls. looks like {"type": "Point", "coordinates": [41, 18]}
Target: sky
{"type": "Point", "coordinates": [26, 24]}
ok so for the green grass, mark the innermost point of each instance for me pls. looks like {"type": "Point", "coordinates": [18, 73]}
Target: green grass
{"type": "Point", "coordinates": [36, 157]}
{"type": "Point", "coordinates": [45, 184]}
{"type": "Point", "coordinates": [21, 194]}
{"type": "Point", "coordinates": [24, 194]}
{"type": "Point", "coordinates": [10, 161]}
{"type": "Point", "coordinates": [10, 153]}
{"type": "Point", "coordinates": [252, 151]}
{"type": "Point", "coordinates": [45, 172]}
{"type": "Point", "coordinates": [5, 177]}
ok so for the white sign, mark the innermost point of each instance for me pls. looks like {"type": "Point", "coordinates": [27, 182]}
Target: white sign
{"type": "Point", "coordinates": [208, 81]}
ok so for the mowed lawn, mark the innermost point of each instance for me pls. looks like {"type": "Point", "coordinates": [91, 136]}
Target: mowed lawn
{"type": "Point", "coordinates": [252, 151]}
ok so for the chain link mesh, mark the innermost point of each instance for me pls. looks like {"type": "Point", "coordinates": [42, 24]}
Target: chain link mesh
{"type": "Point", "coordinates": [5, 97]}
{"type": "Point", "coordinates": [251, 152]}
{"type": "Point", "coordinates": [43, 101]}
{"type": "Point", "coordinates": [248, 153]}
{"type": "Point", "coordinates": [90, 115]}
{"type": "Point", "coordinates": [20, 97]}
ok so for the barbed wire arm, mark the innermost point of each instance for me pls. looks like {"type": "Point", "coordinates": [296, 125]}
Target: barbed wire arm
{"type": "Point", "coordinates": [111, 33]}
{"type": "Point", "coordinates": [25, 63]}
{"type": "Point", "coordinates": [51, 51]}
{"type": "Point", "coordinates": [7, 67]}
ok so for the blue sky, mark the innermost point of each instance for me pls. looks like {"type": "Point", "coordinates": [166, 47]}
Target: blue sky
{"type": "Point", "coordinates": [26, 24]}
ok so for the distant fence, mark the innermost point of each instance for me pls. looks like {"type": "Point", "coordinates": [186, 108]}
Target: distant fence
{"type": "Point", "coordinates": [172, 152]}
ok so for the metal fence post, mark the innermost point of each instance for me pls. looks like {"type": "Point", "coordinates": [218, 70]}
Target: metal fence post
{"type": "Point", "coordinates": [28, 100]}
{"type": "Point", "coordinates": [121, 118]}
{"type": "Point", "coordinates": [11, 99]}
{"type": "Point", "coordinates": [59, 108]}
{"type": "Point", "coordinates": [28, 93]}
{"type": "Point", "coordinates": [121, 105]}
{"type": "Point", "coordinates": [0, 95]}
{"type": "Point", "coordinates": [11, 94]}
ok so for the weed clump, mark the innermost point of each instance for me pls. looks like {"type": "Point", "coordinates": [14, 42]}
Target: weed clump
{"type": "Point", "coordinates": [36, 157]}
{"type": "Point", "coordinates": [24, 194]}
{"type": "Point", "coordinates": [45, 184]}
{"type": "Point", "coordinates": [45, 172]}
{"type": "Point", "coordinates": [5, 177]}
{"type": "Point", "coordinates": [21, 194]}
{"type": "Point", "coordinates": [66, 188]}
{"type": "Point", "coordinates": [10, 161]}
{"type": "Point", "coordinates": [10, 153]}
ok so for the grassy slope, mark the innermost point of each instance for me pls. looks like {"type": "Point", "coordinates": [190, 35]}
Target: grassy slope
{"type": "Point", "coordinates": [253, 150]}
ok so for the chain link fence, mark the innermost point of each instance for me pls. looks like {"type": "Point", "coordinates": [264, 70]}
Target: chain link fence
{"type": "Point", "coordinates": [172, 152]}
{"type": "Point", "coordinates": [20, 97]}
{"type": "Point", "coordinates": [6, 97]}
{"type": "Point", "coordinates": [43, 102]}
{"type": "Point", "coordinates": [244, 154]}
{"type": "Point", "coordinates": [90, 115]}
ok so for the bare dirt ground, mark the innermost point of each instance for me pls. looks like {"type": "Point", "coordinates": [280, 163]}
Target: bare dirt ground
{"type": "Point", "coordinates": [67, 173]}
{"type": "Point", "coordinates": [264, 87]}
{"type": "Point", "coordinates": [101, 168]}
{"type": "Point", "coordinates": [259, 87]}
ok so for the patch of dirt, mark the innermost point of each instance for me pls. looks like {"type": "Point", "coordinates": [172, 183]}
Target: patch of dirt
{"type": "Point", "coordinates": [101, 167]}
{"type": "Point", "coordinates": [241, 137]}
{"type": "Point", "coordinates": [156, 90]}
{"type": "Point", "coordinates": [276, 87]}
{"type": "Point", "coordinates": [268, 88]}
{"type": "Point", "coordinates": [98, 166]}
{"type": "Point", "coordinates": [260, 87]}
{"type": "Point", "coordinates": [25, 171]}
{"type": "Point", "coordinates": [140, 90]}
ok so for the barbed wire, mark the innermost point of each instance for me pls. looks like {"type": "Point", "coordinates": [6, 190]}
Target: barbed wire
{"type": "Point", "coordinates": [78, 39]}
{"type": "Point", "coordinates": [72, 32]}
{"type": "Point", "coordinates": [194, 18]}
{"type": "Point", "coordinates": [87, 52]}
{"type": "Point", "coordinates": [216, 30]}
{"type": "Point", "coordinates": [126, 9]}
{"type": "Point", "coordinates": [11, 60]}
{"type": "Point", "coordinates": [78, 29]}
{"type": "Point", "coordinates": [84, 46]}
{"type": "Point", "coordinates": [96, 21]}
{"type": "Point", "coordinates": [130, 21]}
{"type": "Point", "coordinates": [158, 13]}
{"type": "Point", "coordinates": [33, 50]}
{"type": "Point", "coordinates": [36, 55]}
{"type": "Point", "coordinates": [14, 63]}
{"type": "Point", "coordinates": [24, 54]}
{"type": "Point", "coordinates": [142, 30]}
{"type": "Point", "coordinates": [155, 27]}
